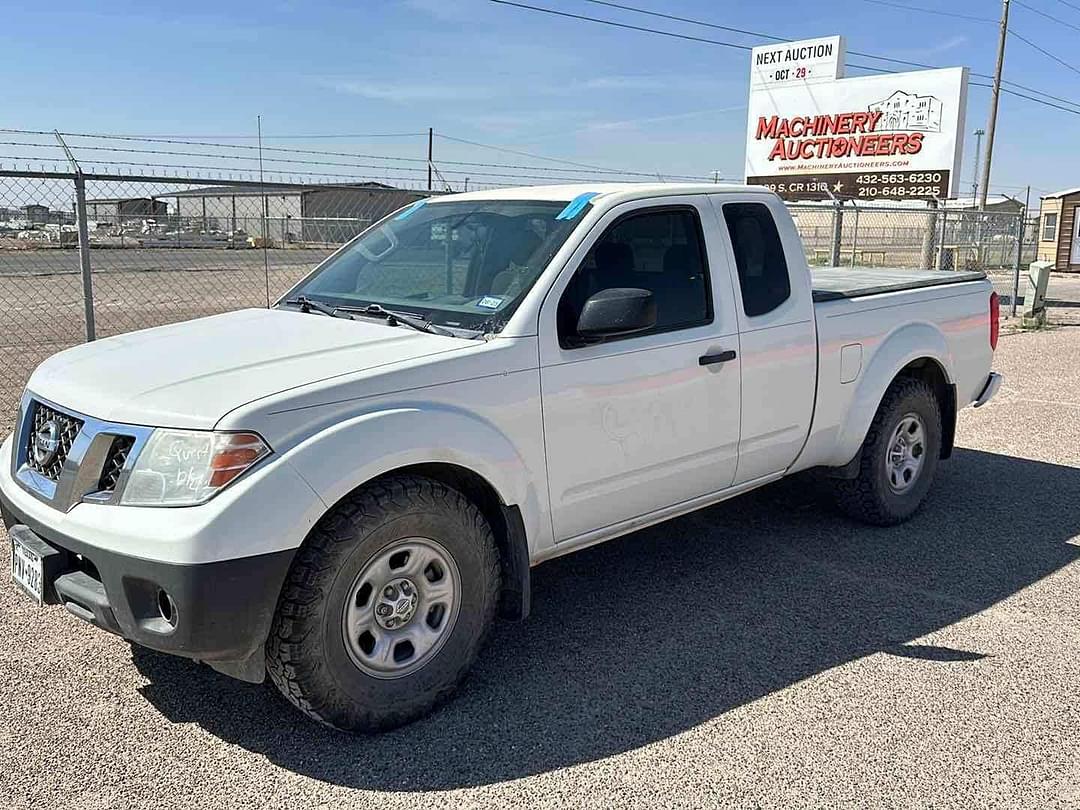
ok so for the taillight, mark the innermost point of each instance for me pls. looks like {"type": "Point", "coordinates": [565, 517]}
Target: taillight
{"type": "Point", "coordinates": [995, 320]}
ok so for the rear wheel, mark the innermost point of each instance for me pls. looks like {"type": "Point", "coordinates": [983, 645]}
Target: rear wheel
{"type": "Point", "coordinates": [386, 605]}
{"type": "Point", "coordinates": [898, 457]}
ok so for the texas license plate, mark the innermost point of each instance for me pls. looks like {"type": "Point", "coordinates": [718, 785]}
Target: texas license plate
{"type": "Point", "coordinates": [27, 570]}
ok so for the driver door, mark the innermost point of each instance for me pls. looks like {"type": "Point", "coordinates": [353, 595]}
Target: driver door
{"type": "Point", "coordinates": [642, 422]}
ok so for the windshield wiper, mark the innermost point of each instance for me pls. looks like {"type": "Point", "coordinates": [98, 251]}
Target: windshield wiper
{"type": "Point", "coordinates": [393, 317]}
{"type": "Point", "coordinates": [310, 305]}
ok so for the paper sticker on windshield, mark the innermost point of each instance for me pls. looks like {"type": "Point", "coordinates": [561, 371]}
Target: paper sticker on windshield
{"type": "Point", "coordinates": [490, 302]}
{"type": "Point", "coordinates": [576, 205]}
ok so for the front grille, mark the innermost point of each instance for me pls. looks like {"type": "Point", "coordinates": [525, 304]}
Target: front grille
{"type": "Point", "coordinates": [114, 463]}
{"type": "Point", "coordinates": [40, 455]}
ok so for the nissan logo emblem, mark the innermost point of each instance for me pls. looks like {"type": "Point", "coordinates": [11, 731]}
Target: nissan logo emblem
{"type": "Point", "coordinates": [46, 443]}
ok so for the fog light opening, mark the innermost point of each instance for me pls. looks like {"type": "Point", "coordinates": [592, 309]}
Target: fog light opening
{"type": "Point", "coordinates": [166, 607]}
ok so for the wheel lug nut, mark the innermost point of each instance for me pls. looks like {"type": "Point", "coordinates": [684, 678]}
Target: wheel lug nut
{"type": "Point", "coordinates": [389, 592]}
{"type": "Point", "coordinates": [405, 589]}
{"type": "Point", "coordinates": [383, 610]}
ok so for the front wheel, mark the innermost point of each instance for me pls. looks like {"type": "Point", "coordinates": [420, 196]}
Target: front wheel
{"type": "Point", "coordinates": [898, 457]}
{"type": "Point", "coordinates": [386, 605]}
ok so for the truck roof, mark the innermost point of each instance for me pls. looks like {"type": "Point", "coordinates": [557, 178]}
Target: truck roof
{"type": "Point", "coordinates": [625, 191]}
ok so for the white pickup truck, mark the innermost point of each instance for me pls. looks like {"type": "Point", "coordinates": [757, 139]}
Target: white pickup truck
{"type": "Point", "coordinates": [344, 490]}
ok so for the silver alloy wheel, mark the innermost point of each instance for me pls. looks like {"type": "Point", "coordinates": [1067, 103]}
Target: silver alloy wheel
{"type": "Point", "coordinates": [905, 453]}
{"type": "Point", "coordinates": [401, 608]}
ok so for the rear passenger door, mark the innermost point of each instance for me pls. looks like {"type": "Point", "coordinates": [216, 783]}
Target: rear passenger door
{"type": "Point", "coordinates": [777, 333]}
{"type": "Point", "coordinates": [641, 422]}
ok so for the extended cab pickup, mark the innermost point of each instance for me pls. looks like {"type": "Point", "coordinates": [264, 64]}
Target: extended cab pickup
{"type": "Point", "coordinates": [343, 490]}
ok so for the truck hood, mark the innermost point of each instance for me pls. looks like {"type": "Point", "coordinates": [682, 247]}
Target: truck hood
{"type": "Point", "coordinates": [189, 375]}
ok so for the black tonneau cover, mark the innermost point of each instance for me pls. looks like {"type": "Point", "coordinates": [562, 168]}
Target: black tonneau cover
{"type": "Point", "coordinates": [835, 283]}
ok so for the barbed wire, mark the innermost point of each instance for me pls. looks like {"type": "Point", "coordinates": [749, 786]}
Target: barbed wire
{"type": "Point", "coordinates": [586, 169]}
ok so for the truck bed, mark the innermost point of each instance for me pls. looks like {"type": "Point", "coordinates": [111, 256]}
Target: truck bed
{"type": "Point", "coordinates": [835, 283]}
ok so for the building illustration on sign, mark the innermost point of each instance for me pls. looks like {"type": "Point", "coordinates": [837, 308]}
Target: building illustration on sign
{"type": "Point", "coordinates": [908, 111]}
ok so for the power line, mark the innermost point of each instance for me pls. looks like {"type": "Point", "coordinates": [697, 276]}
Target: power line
{"type": "Point", "coordinates": [906, 7]}
{"type": "Point", "coordinates": [1029, 98]}
{"type": "Point", "coordinates": [1070, 5]}
{"type": "Point", "coordinates": [627, 26]}
{"type": "Point", "coordinates": [1058, 20]}
{"type": "Point", "coordinates": [717, 26]}
{"type": "Point", "coordinates": [1045, 52]}
{"type": "Point", "coordinates": [643, 29]}
{"type": "Point", "coordinates": [689, 20]}
{"type": "Point", "coordinates": [852, 65]}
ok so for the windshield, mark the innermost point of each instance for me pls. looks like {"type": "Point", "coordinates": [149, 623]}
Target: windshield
{"type": "Point", "coordinates": [464, 265]}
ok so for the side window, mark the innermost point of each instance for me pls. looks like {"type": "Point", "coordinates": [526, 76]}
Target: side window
{"type": "Point", "coordinates": [759, 257]}
{"type": "Point", "coordinates": [661, 251]}
{"type": "Point", "coordinates": [1049, 227]}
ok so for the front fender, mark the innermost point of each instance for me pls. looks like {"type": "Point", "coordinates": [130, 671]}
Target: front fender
{"type": "Point", "coordinates": [911, 342]}
{"type": "Point", "coordinates": [343, 457]}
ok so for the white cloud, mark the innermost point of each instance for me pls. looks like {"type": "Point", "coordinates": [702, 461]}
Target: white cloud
{"type": "Point", "coordinates": [634, 123]}
{"type": "Point", "coordinates": [625, 83]}
{"type": "Point", "coordinates": [444, 10]}
{"type": "Point", "coordinates": [408, 92]}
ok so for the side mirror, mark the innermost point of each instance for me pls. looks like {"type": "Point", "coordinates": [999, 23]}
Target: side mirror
{"type": "Point", "coordinates": [615, 312]}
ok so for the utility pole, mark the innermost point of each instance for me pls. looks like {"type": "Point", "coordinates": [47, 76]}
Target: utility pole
{"type": "Point", "coordinates": [994, 96]}
{"type": "Point", "coordinates": [430, 149]}
{"type": "Point", "coordinates": [975, 174]}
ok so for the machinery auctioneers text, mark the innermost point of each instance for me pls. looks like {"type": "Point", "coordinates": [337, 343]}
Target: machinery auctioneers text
{"type": "Point", "coordinates": [833, 136]}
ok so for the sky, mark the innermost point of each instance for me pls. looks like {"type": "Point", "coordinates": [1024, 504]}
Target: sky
{"type": "Point", "coordinates": [503, 76]}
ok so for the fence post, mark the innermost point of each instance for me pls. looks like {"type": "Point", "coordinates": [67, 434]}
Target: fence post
{"type": "Point", "coordinates": [855, 233]}
{"type": "Point", "coordinates": [1019, 257]}
{"type": "Point", "coordinates": [929, 235]}
{"type": "Point", "coordinates": [84, 255]}
{"type": "Point", "coordinates": [941, 240]}
{"type": "Point", "coordinates": [837, 231]}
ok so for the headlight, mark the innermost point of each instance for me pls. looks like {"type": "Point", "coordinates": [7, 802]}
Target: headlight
{"type": "Point", "coordinates": [187, 467]}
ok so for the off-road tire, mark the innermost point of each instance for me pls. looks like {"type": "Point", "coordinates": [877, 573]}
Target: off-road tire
{"type": "Point", "coordinates": [306, 653]}
{"type": "Point", "coordinates": [868, 497]}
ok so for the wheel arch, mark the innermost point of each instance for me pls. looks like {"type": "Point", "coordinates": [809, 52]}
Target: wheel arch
{"type": "Point", "coordinates": [505, 520]}
{"type": "Point", "coordinates": [447, 444]}
{"type": "Point", "coordinates": [916, 350]}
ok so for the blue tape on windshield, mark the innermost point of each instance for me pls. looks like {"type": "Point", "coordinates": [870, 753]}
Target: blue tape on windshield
{"type": "Point", "coordinates": [576, 205]}
{"type": "Point", "coordinates": [412, 209]}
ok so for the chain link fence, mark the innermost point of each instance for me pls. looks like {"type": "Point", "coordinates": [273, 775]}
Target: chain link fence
{"type": "Point", "coordinates": [157, 251]}
{"type": "Point", "coordinates": [162, 250]}
{"type": "Point", "coordinates": [945, 238]}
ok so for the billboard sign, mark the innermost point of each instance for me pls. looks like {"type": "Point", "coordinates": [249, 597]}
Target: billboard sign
{"type": "Point", "coordinates": [810, 60]}
{"type": "Point", "coordinates": [890, 137]}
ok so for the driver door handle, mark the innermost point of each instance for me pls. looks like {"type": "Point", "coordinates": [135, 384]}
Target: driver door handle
{"type": "Point", "coordinates": [721, 357]}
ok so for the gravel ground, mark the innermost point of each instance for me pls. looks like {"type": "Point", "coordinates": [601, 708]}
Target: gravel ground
{"type": "Point", "coordinates": [761, 653]}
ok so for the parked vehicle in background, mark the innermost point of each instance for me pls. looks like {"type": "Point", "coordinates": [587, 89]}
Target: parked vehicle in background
{"type": "Point", "coordinates": [343, 491]}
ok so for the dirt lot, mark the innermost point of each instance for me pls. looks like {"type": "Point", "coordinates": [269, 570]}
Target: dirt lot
{"type": "Point", "coordinates": [42, 297]}
{"type": "Point", "coordinates": [761, 653]}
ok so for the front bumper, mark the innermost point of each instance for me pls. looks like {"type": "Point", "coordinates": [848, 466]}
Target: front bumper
{"type": "Point", "coordinates": [215, 612]}
{"type": "Point", "coordinates": [221, 564]}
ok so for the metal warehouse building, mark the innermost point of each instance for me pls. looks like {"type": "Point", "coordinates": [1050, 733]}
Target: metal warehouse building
{"type": "Point", "coordinates": [112, 210]}
{"type": "Point", "coordinates": [316, 214]}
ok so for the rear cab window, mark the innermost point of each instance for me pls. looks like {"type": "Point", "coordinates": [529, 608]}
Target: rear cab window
{"type": "Point", "coordinates": [759, 257]}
